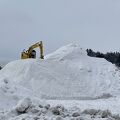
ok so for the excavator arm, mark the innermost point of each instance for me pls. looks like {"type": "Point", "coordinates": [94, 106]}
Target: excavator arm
{"type": "Point", "coordinates": [28, 53]}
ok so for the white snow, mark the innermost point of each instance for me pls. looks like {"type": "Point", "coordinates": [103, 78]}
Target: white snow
{"type": "Point", "coordinates": [66, 76]}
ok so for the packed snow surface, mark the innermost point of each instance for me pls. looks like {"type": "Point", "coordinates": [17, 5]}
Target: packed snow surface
{"type": "Point", "coordinates": [67, 74]}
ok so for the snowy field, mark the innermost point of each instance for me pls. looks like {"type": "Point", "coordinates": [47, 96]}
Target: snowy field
{"type": "Point", "coordinates": [67, 85]}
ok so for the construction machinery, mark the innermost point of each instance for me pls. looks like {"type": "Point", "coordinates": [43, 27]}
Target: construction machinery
{"type": "Point", "coordinates": [31, 53]}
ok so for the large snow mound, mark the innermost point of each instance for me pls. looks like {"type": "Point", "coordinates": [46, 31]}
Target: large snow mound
{"type": "Point", "coordinates": [68, 73]}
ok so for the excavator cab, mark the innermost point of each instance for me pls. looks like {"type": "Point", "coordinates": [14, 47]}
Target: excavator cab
{"type": "Point", "coordinates": [31, 53]}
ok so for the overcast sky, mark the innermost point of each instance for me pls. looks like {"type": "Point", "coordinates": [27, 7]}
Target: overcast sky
{"type": "Point", "coordinates": [91, 23]}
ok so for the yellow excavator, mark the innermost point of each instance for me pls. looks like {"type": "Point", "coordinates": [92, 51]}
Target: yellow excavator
{"type": "Point", "coordinates": [31, 53]}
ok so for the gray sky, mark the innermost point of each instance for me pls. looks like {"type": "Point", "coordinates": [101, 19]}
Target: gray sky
{"type": "Point", "coordinates": [91, 23]}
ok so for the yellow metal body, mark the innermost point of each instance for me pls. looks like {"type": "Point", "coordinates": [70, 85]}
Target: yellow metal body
{"type": "Point", "coordinates": [28, 53]}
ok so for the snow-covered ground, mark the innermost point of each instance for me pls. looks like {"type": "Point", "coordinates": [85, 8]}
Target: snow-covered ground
{"type": "Point", "coordinates": [68, 77]}
{"type": "Point", "coordinates": [28, 110]}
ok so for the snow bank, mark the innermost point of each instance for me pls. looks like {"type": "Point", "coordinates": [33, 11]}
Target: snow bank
{"type": "Point", "coordinates": [66, 74]}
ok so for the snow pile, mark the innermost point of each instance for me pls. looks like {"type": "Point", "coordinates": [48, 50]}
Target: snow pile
{"type": "Point", "coordinates": [68, 73]}
{"type": "Point", "coordinates": [26, 110]}
{"type": "Point", "coordinates": [69, 52]}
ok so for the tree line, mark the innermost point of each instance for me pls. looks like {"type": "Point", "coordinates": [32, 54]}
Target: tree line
{"type": "Point", "coordinates": [113, 57]}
